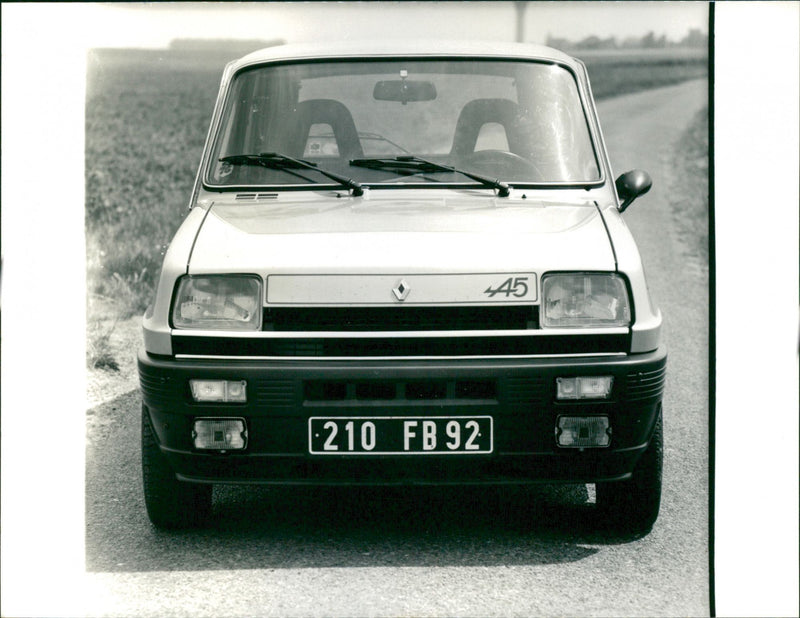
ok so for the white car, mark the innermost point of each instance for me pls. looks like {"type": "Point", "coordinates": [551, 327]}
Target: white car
{"type": "Point", "coordinates": [404, 264]}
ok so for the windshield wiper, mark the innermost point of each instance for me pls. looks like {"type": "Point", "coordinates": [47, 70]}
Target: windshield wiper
{"type": "Point", "coordinates": [411, 164]}
{"type": "Point", "coordinates": [278, 161]}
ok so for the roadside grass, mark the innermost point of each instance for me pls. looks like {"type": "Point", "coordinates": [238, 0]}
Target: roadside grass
{"type": "Point", "coordinates": [147, 116]}
{"type": "Point", "coordinates": [146, 121]}
{"type": "Point", "coordinates": [99, 354]}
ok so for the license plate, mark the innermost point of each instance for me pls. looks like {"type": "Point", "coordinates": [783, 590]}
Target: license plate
{"type": "Point", "coordinates": [400, 435]}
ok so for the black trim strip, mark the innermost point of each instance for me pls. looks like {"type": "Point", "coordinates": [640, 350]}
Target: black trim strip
{"type": "Point", "coordinates": [401, 347]}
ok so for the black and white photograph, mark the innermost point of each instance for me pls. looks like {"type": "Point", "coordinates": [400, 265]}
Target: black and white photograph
{"type": "Point", "coordinates": [400, 308]}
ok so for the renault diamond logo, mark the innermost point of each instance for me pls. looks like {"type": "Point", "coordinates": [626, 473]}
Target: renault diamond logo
{"type": "Point", "coordinates": [401, 290]}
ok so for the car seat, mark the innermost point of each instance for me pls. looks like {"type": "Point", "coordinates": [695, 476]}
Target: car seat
{"type": "Point", "coordinates": [332, 113]}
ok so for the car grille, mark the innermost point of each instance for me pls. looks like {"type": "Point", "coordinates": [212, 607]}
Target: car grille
{"type": "Point", "coordinates": [457, 331]}
{"type": "Point", "coordinates": [376, 319]}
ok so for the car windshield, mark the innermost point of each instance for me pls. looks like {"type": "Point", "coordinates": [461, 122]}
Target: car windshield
{"type": "Point", "coordinates": [519, 122]}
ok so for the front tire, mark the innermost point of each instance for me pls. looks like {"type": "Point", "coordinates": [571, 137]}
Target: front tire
{"type": "Point", "coordinates": [170, 503]}
{"type": "Point", "coordinates": [632, 506]}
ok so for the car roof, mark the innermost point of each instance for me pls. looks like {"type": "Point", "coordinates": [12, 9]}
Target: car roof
{"type": "Point", "coordinates": [389, 48]}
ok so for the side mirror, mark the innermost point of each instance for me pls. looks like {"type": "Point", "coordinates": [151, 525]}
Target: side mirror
{"type": "Point", "coordinates": [631, 185]}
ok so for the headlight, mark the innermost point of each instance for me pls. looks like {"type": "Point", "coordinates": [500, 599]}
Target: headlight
{"type": "Point", "coordinates": [584, 300]}
{"type": "Point", "coordinates": [227, 302]}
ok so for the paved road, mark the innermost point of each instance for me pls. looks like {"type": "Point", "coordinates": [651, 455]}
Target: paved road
{"type": "Point", "coordinates": [386, 552]}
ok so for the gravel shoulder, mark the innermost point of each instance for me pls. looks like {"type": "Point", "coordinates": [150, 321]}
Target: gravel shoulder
{"type": "Point", "coordinates": [124, 340]}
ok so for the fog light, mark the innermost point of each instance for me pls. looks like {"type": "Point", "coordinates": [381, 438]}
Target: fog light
{"type": "Point", "coordinates": [597, 387]}
{"type": "Point", "coordinates": [226, 391]}
{"type": "Point", "coordinates": [583, 431]}
{"type": "Point", "coordinates": [220, 434]}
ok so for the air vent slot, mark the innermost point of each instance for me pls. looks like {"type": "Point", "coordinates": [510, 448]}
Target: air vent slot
{"type": "Point", "coordinates": [319, 392]}
{"type": "Point", "coordinates": [426, 390]}
{"type": "Point", "coordinates": [376, 390]}
{"type": "Point", "coordinates": [644, 385]}
{"type": "Point", "coordinates": [252, 197]}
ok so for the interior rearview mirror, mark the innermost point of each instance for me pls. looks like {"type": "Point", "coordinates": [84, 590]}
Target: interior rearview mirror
{"type": "Point", "coordinates": [631, 185]}
{"type": "Point", "coordinates": [404, 91]}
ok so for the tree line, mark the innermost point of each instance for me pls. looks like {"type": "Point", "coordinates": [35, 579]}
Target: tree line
{"type": "Point", "coordinates": [694, 38]}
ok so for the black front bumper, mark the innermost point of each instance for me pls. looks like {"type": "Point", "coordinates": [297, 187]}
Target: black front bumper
{"type": "Point", "coordinates": [519, 395]}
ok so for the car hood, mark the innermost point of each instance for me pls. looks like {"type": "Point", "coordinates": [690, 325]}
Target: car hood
{"type": "Point", "coordinates": [393, 232]}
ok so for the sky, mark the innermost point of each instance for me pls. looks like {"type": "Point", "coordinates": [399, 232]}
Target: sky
{"type": "Point", "coordinates": [154, 25]}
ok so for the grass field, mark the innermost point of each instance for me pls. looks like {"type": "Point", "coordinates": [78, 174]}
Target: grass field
{"type": "Point", "coordinates": [147, 115]}
{"type": "Point", "coordinates": [146, 121]}
{"type": "Point", "coordinates": [616, 72]}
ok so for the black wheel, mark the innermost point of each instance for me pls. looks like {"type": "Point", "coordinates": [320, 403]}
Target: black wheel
{"type": "Point", "coordinates": [170, 503]}
{"type": "Point", "coordinates": [632, 506]}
